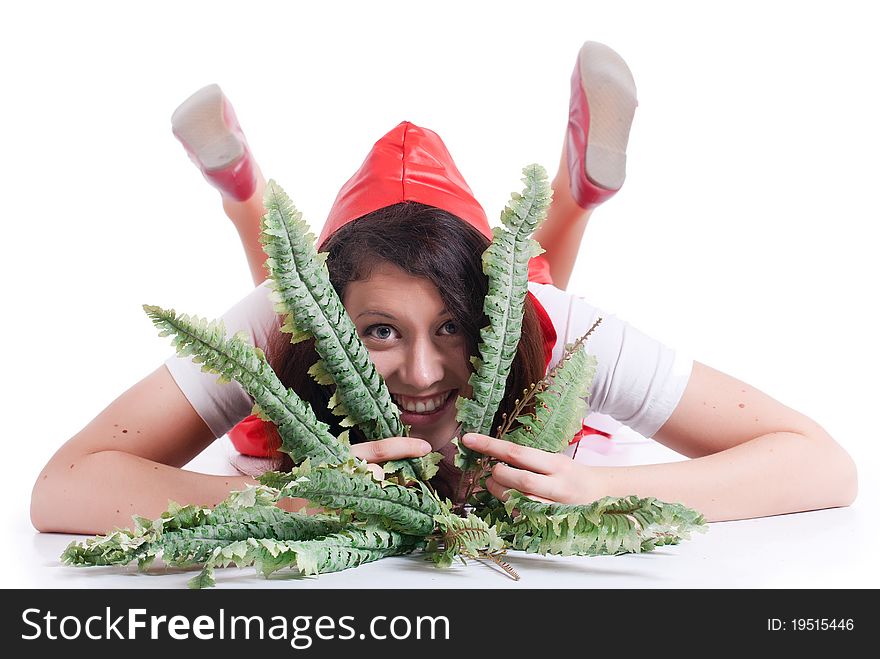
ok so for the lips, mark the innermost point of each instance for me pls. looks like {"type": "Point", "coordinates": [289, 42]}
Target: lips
{"type": "Point", "coordinates": [415, 418]}
{"type": "Point", "coordinates": [421, 405]}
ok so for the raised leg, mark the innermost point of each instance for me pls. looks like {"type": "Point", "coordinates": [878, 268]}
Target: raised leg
{"type": "Point", "coordinates": [206, 125]}
{"type": "Point", "coordinates": [592, 166]}
{"type": "Point", "coordinates": [562, 232]}
{"type": "Point", "coordinates": [246, 216]}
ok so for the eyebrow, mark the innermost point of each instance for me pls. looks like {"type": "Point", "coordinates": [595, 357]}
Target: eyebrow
{"type": "Point", "coordinates": [387, 315]}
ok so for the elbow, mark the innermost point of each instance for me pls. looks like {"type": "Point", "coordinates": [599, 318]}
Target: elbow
{"type": "Point", "coordinates": [838, 469]}
{"type": "Point", "coordinates": [39, 523]}
{"type": "Point", "coordinates": [47, 506]}
{"type": "Point", "coordinates": [39, 507]}
{"type": "Point", "coordinates": [847, 486]}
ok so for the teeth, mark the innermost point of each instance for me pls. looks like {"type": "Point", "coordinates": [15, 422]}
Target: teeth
{"type": "Point", "coordinates": [421, 407]}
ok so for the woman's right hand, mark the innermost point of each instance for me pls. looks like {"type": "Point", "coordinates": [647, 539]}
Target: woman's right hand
{"type": "Point", "coordinates": [380, 451]}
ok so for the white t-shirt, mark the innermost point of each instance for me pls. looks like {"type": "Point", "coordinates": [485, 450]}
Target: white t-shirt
{"type": "Point", "coordinates": [638, 380]}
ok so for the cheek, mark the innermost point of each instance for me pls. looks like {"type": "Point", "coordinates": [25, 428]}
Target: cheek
{"type": "Point", "coordinates": [463, 359]}
{"type": "Point", "coordinates": [461, 366]}
{"type": "Point", "coordinates": [384, 362]}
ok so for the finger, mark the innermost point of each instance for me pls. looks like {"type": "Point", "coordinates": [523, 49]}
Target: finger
{"type": "Point", "coordinates": [527, 482]}
{"type": "Point", "coordinates": [503, 493]}
{"type": "Point", "coordinates": [378, 472]}
{"type": "Point", "coordinates": [498, 491]}
{"type": "Point", "coordinates": [391, 448]}
{"type": "Point", "coordinates": [526, 457]}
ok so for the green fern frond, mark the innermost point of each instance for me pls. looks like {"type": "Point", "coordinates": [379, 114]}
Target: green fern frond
{"type": "Point", "coordinates": [190, 535]}
{"type": "Point", "coordinates": [348, 548]}
{"type": "Point", "coordinates": [506, 263]}
{"type": "Point", "coordinates": [462, 537]}
{"type": "Point", "coordinates": [302, 435]}
{"type": "Point", "coordinates": [560, 404]}
{"type": "Point", "coordinates": [303, 291]}
{"type": "Point", "coordinates": [369, 519]}
{"type": "Point", "coordinates": [423, 468]}
{"type": "Point", "coordinates": [610, 525]}
{"type": "Point", "coordinates": [406, 509]}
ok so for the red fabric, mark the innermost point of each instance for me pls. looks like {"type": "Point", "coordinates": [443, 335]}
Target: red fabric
{"type": "Point", "coordinates": [539, 270]}
{"type": "Point", "coordinates": [547, 330]}
{"type": "Point", "coordinates": [409, 163]}
{"type": "Point", "coordinates": [586, 431]}
{"type": "Point", "coordinates": [256, 437]}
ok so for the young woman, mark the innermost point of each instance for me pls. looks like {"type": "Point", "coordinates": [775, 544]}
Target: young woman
{"type": "Point", "coordinates": [404, 239]}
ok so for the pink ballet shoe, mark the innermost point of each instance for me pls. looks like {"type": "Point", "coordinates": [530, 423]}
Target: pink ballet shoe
{"type": "Point", "coordinates": [601, 109]}
{"type": "Point", "coordinates": [206, 125]}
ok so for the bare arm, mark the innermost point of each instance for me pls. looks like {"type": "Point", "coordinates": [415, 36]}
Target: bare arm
{"type": "Point", "coordinates": [752, 457]}
{"type": "Point", "coordinates": [127, 460]}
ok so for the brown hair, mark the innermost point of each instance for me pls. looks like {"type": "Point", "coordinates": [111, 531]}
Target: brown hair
{"type": "Point", "coordinates": [425, 242]}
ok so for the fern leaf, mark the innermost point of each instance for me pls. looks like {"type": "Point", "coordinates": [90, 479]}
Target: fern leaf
{"type": "Point", "coordinates": [506, 263]}
{"type": "Point", "coordinates": [302, 435]}
{"type": "Point", "coordinates": [410, 510]}
{"type": "Point", "coordinates": [560, 408]}
{"type": "Point", "coordinates": [320, 374]}
{"type": "Point", "coordinates": [462, 537]}
{"type": "Point", "coordinates": [608, 526]}
{"type": "Point", "coordinates": [303, 291]}
{"type": "Point", "coordinates": [349, 548]}
{"type": "Point", "coordinates": [410, 469]}
{"type": "Point", "coordinates": [204, 579]}
{"type": "Point", "coordinates": [185, 536]}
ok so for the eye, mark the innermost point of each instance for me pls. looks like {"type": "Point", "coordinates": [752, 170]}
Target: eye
{"type": "Point", "coordinates": [386, 332]}
{"type": "Point", "coordinates": [383, 332]}
{"type": "Point", "coordinates": [453, 325]}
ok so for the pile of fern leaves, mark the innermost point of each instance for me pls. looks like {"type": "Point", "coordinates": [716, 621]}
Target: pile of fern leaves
{"type": "Point", "coordinates": [365, 519]}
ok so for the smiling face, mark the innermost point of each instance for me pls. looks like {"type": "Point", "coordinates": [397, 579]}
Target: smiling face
{"type": "Point", "coordinates": [416, 345]}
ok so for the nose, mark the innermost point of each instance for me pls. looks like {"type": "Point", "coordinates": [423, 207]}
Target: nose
{"type": "Point", "coordinates": [424, 365]}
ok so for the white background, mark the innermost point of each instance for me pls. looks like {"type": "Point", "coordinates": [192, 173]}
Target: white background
{"type": "Point", "coordinates": [745, 233]}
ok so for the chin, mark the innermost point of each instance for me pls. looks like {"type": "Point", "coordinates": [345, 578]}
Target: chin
{"type": "Point", "coordinates": [437, 438]}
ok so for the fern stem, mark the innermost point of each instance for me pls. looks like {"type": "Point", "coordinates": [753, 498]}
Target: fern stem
{"type": "Point", "coordinates": [472, 477]}
{"type": "Point", "coordinates": [504, 565]}
{"type": "Point", "coordinates": [528, 395]}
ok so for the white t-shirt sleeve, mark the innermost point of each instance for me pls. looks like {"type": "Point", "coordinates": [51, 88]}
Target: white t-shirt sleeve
{"type": "Point", "coordinates": [222, 406]}
{"type": "Point", "coordinates": [639, 381]}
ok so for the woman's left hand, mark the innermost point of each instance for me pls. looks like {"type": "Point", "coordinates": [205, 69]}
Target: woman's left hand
{"type": "Point", "coordinates": [543, 476]}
